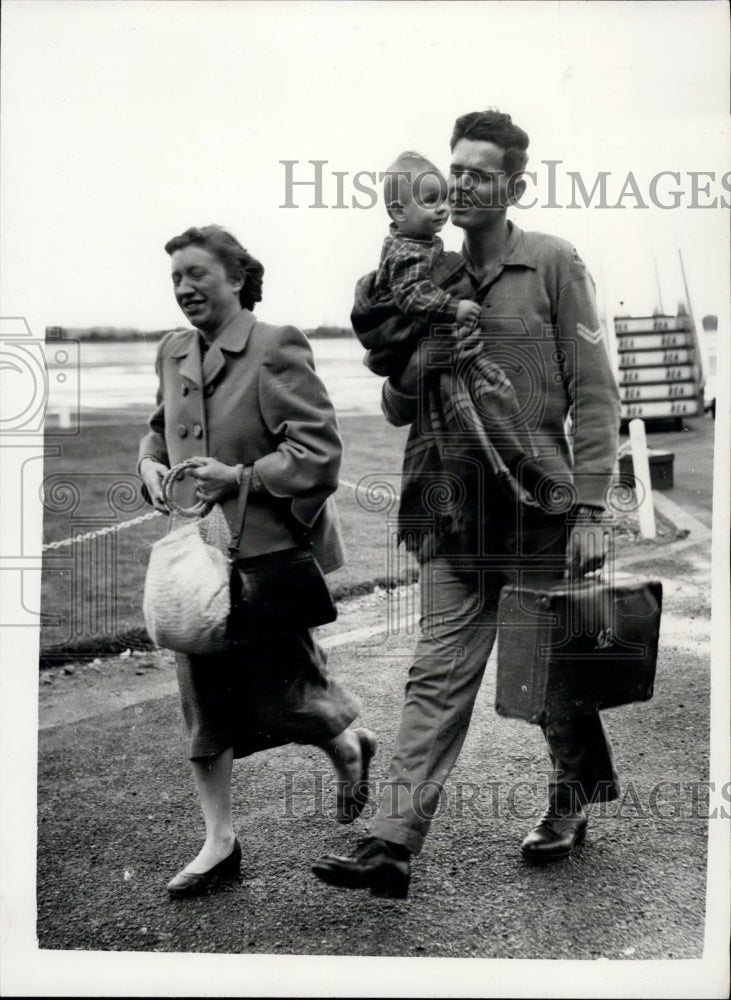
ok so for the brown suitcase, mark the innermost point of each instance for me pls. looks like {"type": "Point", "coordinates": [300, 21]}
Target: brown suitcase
{"type": "Point", "coordinates": [576, 648]}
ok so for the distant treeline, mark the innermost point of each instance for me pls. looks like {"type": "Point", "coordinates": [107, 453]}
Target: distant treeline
{"type": "Point", "coordinates": [101, 333]}
{"type": "Point", "coordinates": [123, 333]}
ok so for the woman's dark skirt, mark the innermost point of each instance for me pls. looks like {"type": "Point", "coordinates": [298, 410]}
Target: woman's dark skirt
{"type": "Point", "coordinates": [260, 695]}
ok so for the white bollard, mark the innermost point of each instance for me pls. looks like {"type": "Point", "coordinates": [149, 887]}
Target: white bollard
{"type": "Point", "coordinates": [641, 469]}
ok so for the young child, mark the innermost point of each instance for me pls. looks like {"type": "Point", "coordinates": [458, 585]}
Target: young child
{"type": "Point", "coordinates": [485, 407]}
{"type": "Point", "coordinates": [415, 195]}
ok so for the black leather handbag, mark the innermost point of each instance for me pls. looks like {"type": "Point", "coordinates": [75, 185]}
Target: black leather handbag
{"type": "Point", "coordinates": [576, 647]}
{"type": "Point", "coordinates": [276, 591]}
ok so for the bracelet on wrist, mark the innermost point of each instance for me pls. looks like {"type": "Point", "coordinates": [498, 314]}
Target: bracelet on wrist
{"type": "Point", "coordinates": [256, 486]}
{"type": "Point", "coordinates": [255, 483]}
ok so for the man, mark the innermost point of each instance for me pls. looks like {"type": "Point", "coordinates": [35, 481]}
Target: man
{"type": "Point", "coordinates": [539, 324]}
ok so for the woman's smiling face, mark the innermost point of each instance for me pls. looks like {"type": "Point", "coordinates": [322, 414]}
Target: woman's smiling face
{"type": "Point", "coordinates": [203, 289]}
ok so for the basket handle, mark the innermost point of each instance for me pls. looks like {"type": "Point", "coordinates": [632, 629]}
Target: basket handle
{"type": "Point", "coordinates": [199, 509]}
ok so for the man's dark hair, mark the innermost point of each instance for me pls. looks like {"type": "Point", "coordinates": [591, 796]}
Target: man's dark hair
{"type": "Point", "coordinates": [237, 262]}
{"type": "Point", "coordinates": [494, 126]}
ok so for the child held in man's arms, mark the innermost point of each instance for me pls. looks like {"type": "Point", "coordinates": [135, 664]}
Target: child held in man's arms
{"type": "Point", "coordinates": [415, 193]}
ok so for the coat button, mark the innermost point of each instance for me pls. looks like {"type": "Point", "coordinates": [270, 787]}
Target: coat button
{"type": "Point", "coordinates": [210, 389]}
{"type": "Point", "coordinates": [197, 431]}
{"type": "Point", "coordinates": [182, 430]}
{"type": "Point", "coordinates": [185, 390]}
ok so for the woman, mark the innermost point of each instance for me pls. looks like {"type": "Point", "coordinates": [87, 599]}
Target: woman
{"type": "Point", "coordinates": [236, 393]}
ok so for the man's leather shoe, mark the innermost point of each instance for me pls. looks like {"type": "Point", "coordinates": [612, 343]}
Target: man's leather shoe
{"type": "Point", "coordinates": [555, 837]}
{"type": "Point", "coordinates": [186, 884]}
{"type": "Point", "coordinates": [351, 799]}
{"type": "Point", "coordinates": [378, 865]}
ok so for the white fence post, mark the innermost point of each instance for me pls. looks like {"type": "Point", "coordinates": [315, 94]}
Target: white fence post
{"type": "Point", "coordinates": [641, 469]}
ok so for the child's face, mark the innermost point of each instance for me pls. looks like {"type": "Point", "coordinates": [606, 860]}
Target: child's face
{"type": "Point", "coordinates": [425, 211]}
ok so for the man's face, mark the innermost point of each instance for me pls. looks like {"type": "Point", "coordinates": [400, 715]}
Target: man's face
{"type": "Point", "coordinates": [203, 290]}
{"type": "Point", "coordinates": [479, 189]}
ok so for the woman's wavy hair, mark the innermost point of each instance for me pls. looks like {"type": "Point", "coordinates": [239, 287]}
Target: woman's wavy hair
{"type": "Point", "coordinates": [237, 262]}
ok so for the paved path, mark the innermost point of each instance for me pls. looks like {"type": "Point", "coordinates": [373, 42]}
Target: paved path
{"type": "Point", "coordinates": [117, 813]}
{"type": "Point", "coordinates": [693, 448]}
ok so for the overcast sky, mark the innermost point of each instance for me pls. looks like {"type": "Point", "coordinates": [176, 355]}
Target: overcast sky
{"type": "Point", "coordinates": [125, 122]}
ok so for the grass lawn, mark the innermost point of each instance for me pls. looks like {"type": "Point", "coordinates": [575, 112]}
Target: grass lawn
{"type": "Point", "coordinates": [91, 593]}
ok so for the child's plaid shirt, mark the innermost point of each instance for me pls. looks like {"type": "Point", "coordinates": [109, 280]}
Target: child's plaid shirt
{"type": "Point", "coordinates": [404, 275]}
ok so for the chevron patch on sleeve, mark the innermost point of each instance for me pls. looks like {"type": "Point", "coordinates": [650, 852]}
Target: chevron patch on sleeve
{"type": "Point", "coordinates": [593, 336]}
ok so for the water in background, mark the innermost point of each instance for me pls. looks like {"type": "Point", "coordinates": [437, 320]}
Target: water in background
{"type": "Point", "coordinates": [95, 376]}
{"type": "Point", "coordinates": [110, 376]}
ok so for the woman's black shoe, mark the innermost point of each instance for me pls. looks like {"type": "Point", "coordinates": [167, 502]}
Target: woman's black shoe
{"type": "Point", "coordinates": [187, 884]}
{"type": "Point", "coordinates": [378, 865]}
{"type": "Point", "coordinates": [351, 799]}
